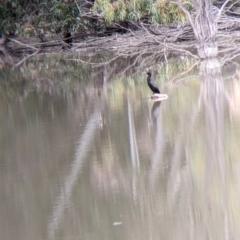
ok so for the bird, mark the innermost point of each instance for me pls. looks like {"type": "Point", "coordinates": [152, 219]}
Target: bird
{"type": "Point", "coordinates": [151, 84]}
{"type": "Point", "coordinates": [156, 95]}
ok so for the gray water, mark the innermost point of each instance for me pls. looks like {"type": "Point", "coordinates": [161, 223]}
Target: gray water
{"type": "Point", "coordinates": [80, 161]}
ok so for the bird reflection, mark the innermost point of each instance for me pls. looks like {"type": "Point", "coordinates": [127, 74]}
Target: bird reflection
{"type": "Point", "coordinates": [155, 111]}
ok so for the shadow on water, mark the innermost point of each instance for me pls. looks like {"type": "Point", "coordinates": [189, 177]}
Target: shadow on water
{"type": "Point", "coordinates": [85, 161]}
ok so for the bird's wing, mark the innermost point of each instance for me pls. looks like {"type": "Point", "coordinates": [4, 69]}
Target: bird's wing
{"type": "Point", "coordinates": [154, 84]}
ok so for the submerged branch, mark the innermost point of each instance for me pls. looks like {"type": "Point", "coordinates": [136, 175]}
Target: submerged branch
{"type": "Point", "coordinates": [184, 72]}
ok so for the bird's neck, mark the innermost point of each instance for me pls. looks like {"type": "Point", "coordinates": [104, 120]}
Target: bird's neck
{"type": "Point", "coordinates": [149, 78]}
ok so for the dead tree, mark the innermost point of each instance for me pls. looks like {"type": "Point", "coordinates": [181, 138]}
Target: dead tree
{"type": "Point", "coordinates": [204, 23]}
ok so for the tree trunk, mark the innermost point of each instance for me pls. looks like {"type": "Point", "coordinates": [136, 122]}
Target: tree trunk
{"type": "Point", "coordinates": [206, 29]}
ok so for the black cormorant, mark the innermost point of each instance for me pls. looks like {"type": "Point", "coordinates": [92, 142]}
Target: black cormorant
{"type": "Point", "coordinates": [151, 84]}
{"type": "Point", "coordinates": [156, 96]}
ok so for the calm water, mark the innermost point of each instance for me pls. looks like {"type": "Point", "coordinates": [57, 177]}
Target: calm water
{"type": "Point", "coordinates": [80, 161]}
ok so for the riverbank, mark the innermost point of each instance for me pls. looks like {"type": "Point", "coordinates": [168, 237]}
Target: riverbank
{"type": "Point", "coordinates": [158, 41]}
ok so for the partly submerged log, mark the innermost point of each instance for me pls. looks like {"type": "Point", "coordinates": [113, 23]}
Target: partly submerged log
{"type": "Point", "coordinates": [158, 97]}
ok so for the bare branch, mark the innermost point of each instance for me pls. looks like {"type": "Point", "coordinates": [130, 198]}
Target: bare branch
{"type": "Point", "coordinates": [79, 9]}
{"type": "Point", "coordinates": [234, 3]}
{"type": "Point", "coordinates": [23, 44]}
{"type": "Point", "coordinates": [185, 72]}
{"type": "Point", "coordinates": [220, 11]}
{"type": "Point", "coordinates": [26, 58]}
{"type": "Point", "coordinates": [188, 15]}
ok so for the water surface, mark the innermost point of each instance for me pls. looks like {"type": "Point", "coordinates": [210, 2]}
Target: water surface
{"type": "Point", "coordinates": [99, 160]}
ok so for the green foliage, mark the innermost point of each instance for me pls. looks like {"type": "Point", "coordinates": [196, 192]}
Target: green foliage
{"type": "Point", "coordinates": [162, 11]}
{"type": "Point", "coordinates": [120, 11]}
{"type": "Point", "coordinates": [63, 15]}
{"type": "Point", "coordinates": [34, 16]}
{"type": "Point", "coordinates": [166, 12]}
{"type": "Point", "coordinates": [8, 13]}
